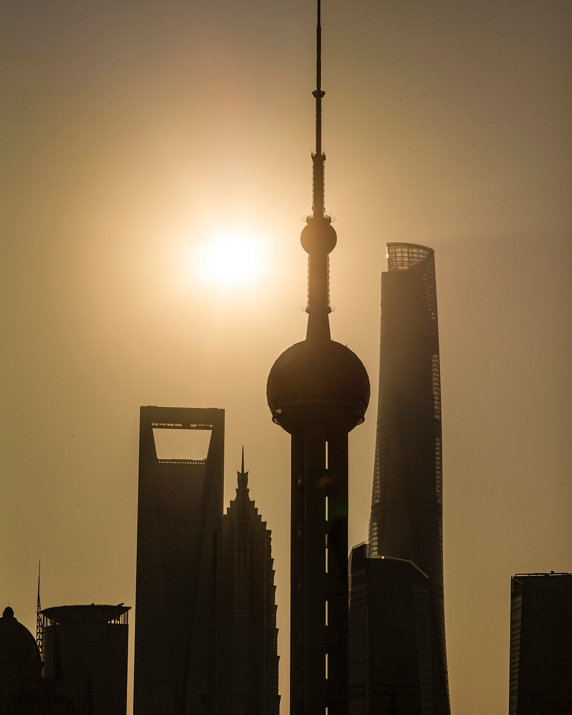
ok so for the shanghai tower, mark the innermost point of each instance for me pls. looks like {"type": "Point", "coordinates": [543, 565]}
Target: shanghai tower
{"type": "Point", "coordinates": [407, 507]}
{"type": "Point", "coordinates": [318, 391]}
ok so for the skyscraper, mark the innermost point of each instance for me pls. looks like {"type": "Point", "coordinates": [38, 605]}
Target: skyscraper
{"type": "Point", "coordinates": [390, 639]}
{"type": "Point", "coordinates": [407, 501]}
{"type": "Point", "coordinates": [85, 651]}
{"type": "Point", "coordinates": [247, 658]}
{"type": "Point", "coordinates": [541, 644]}
{"type": "Point", "coordinates": [180, 504]}
{"type": "Point", "coordinates": [318, 391]}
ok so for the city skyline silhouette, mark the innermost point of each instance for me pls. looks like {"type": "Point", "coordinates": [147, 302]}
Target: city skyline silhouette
{"type": "Point", "coordinates": [134, 132]}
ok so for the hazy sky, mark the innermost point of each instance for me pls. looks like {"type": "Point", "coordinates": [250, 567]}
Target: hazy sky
{"type": "Point", "coordinates": [135, 131]}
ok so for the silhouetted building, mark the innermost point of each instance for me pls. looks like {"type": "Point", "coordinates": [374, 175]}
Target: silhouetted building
{"type": "Point", "coordinates": [23, 691]}
{"type": "Point", "coordinates": [390, 640]}
{"type": "Point", "coordinates": [407, 508]}
{"type": "Point", "coordinates": [247, 659]}
{"type": "Point", "coordinates": [180, 504]}
{"type": "Point", "coordinates": [541, 644]}
{"type": "Point", "coordinates": [85, 651]}
{"type": "Point", "coordinates": [318, 391]}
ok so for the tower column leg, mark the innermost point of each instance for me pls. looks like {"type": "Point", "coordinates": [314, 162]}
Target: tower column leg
{"type": "Point", "coordinates": [297, 577]}
{"type": "Point", "coordinates": [308, 574]}
{"type": "Point", "coordinates": [338, 575]}
{"type": "Point", "coordinates": [314, 572]}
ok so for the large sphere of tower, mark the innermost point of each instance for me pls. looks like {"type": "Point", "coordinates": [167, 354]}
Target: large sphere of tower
{"type": "Point", "coordinates": [318, 382]}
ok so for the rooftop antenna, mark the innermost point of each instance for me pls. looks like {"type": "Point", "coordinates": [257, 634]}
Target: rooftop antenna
{"type": "Point", "coordinates": [39, 629]}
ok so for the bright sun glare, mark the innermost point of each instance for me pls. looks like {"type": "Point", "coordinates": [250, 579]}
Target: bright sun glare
{"type": "Point", "coordinates": [230, 259]}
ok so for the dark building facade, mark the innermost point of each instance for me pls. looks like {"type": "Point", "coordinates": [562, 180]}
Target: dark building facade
{"type": "Point", "coordinates": [23, 690]}
{"type": "Point", "coordinates": [247, 657]}
{"type": "Point", "coordinates": [390, 639]}
{"type": "Point", "coordinates": [541, 644]}
{"type": "Point", "coordinates": [85, 651]}
{"type": "Point", "coordinates": [318, 391]}
{"type": "Point", "coordinates": [180, 504]}
{"type": "Point", "coordinates": [407, 499]}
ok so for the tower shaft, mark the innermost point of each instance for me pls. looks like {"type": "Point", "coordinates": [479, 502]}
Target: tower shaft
{"type": "Point", "coordinates": [319, 581]}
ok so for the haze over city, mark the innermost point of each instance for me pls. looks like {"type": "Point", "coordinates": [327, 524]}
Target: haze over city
{"type": "Point", "coordinates": [138, 137]}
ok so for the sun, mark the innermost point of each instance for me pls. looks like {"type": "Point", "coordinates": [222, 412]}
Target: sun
{"type": "Point", "coordinates": [229, 259]}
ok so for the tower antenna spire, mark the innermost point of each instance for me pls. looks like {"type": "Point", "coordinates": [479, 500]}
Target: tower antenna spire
{"type": "Point", "coordinates": [318, 157]}
{"type": "Point", "coordinates": [318, 237]}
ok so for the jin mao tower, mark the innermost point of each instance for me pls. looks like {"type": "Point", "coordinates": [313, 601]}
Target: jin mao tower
{"type": "Point", "coordinates": [407, 501]}
{"type": "Point", "coordinates": [318, 391]}
{"type": "Point", "coordinates": [247, 659]}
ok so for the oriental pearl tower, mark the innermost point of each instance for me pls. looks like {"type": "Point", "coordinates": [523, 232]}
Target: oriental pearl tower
{"type": "Point", "coordinates": [318, 391]}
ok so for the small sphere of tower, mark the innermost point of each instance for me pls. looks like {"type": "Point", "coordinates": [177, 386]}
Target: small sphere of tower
{"type": "Point", "coordinates": [318, 236]}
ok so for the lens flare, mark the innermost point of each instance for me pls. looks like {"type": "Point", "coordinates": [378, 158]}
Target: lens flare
{"type": "Point", "coordinates": [229, 259]}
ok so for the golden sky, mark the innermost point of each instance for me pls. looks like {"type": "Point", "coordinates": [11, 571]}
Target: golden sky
{"type": "Point", "coordinates": [134, 132]}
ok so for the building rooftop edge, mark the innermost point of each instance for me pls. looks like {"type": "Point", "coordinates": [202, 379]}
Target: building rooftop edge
{"type": "Point", "coordinates": [105, 612]}
{"type": "Point", "coordinates": [410, 245]}
{"type": "Point", "coordinates": [541, 574]}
